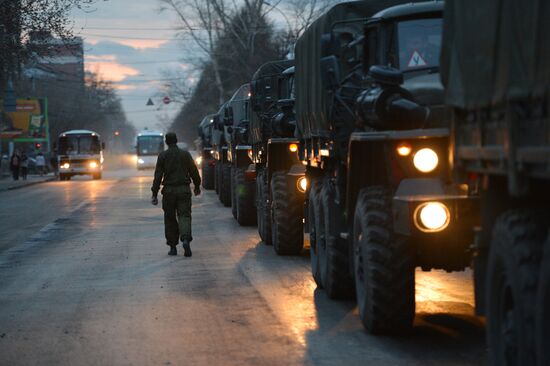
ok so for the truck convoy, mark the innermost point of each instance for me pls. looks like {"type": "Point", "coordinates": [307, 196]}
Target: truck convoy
{"type": "Point", "coordinates": [149, 144]}
{"type": "Point", "coordinates": [406, 167]}
{"type": "Point", "coordinates": [80, 152]}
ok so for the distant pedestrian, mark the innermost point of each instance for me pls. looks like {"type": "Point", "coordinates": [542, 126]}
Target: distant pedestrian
{"type": "Point", "coordinates": [40, 163]}
{"type": "Point", "coordinates": [24, 164]}
{"type": "Point", "coordinates": [15, 164]}
{"type": "Point", "coordinates": [175, 169]}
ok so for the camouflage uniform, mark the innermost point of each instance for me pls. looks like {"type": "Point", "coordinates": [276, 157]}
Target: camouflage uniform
{"type": "Point", "coordinates": [176, 168]}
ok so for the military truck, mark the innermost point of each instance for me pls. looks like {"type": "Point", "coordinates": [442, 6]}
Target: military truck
{"type": "Point", "coordinates": [208, 163]}
{"type": "Point", "coordinates": [243, 186]}
{"type": "Point", "coordinates": [372, 129]}
{"type": "Point", "coordinates": [280, 176]}
{"type": "Point", "coordinates": [496, 70]}
{"type": "Point", "coordinates": [222, 168]}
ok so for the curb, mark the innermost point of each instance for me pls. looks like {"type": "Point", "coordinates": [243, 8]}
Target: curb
{"type": "Point", "coordinates": [11, 188]}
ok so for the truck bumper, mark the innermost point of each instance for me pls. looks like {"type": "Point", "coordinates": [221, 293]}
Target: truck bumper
{"type": "Point", "coordinates": [451, 215]}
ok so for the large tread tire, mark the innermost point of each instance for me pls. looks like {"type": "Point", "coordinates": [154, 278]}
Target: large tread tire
{"type": "Point", "coordinates": [225, 185]}
{"type": "Point", "coordinates": [514, 261]}
{"type": "Point", "coordinates": [543, 309]}
{"type": "Point", "coordinates": [263, 208]}
{"type": "Point", "coordinates": [315, 229]}
{"type": "Point", "coordinates": [287, 208]}
{"type": "Point", "coordinates": [208, 175]}
{"type": "Point", "coordinates": [245, 200]}
{"type": "Point", "coordinates": [335, 266]}
{"type": "Point", "coordinates": [217, 177]}
{"type": "Point", "coordinates": [383, 265]}
{"type": "Point", "coordinates": [233, 193]}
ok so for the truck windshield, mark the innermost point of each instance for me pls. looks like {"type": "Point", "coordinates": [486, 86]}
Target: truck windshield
{"type": "Point", "coordinates": [79, 144]}
{"type": "Point", "coordinates": [150, 145]}
{"type": "Point", "coordinates": [419, 43]}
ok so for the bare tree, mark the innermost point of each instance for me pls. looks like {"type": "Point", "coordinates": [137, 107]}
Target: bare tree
{"type": "Point", "coordinates": [199, 19]}
{"type": "Point", "coordinates": [21, 18]}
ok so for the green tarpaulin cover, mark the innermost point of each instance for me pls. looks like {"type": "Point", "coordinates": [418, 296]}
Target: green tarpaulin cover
{"type": "Point", "coordinates": [495, 51]}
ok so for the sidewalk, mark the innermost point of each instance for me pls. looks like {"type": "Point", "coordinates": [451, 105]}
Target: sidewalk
{"type": "Point", "coordinates": [7, 183]}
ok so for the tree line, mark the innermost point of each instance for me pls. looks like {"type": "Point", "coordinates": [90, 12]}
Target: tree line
{"type": "Point", "coordinates": [234, 38]}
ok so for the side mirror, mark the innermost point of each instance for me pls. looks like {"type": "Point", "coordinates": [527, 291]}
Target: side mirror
{"type": "Point", "coordinates": [330, 72]}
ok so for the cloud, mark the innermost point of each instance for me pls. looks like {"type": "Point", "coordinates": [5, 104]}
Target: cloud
{"type": "Point", "coordinates": [110, 70]}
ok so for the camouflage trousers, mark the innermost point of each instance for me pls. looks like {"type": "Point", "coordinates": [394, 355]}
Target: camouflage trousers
{"type": "Point", "coordinates": [176, 204]}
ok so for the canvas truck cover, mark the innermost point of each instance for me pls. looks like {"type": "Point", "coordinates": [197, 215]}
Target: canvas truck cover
{"type": "Point", "coordinates": [239, 107]}
{"type": "Point", "coordinates": [312, 102]}
{"type": "Point", "coordinates": [495, 51]}
{"type": "Point", "coordinates": [266, 75]}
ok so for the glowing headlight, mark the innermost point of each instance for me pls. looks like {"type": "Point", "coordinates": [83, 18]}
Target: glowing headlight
{"type": "Point", "coordinates": [198, 160]}
{"type": "Point", "coordinates": [93, 164]}
{"type": "Point", "coordinates": [293, 147]}
{"type": "Point", "coordinates": [432, 217]}
{"type": "Point", "coordinates": [66, 166]}
{"type": "Point", "coordinates": [425, 160]}
{"type": "Point", "coordinates": [141, 161]}
{"type": "Point", "coordinates": [404, 149]}
{"type": "Point", "coordinates": [249, 153]}
{"type": "Point", "coordinates": [301, 184]}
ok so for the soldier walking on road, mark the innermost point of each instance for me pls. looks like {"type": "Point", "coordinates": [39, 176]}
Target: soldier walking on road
{"type": "Point", "coordinates": [175, 169]}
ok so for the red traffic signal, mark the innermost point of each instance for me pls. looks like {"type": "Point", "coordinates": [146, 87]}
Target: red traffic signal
{"type": "Point", "coordinates": [37, 145]}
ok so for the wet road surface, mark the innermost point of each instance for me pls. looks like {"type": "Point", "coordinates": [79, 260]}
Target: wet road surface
{"type": "Point", "coordinates": [85, 280]}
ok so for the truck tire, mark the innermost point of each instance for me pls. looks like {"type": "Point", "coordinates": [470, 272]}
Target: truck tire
{"type": "Point", "coordinates": [263, 209]}
{"type": "Point", "coordinates": [335, 266]}
{"type": "Point", "coordinates": [233, 193]}
{"type": "Point", "coordinates": [383, 265]}
{"type": "Point", "coordinates": [286, 217]}
{"type": "Point", "coordinates": [217, 177]}
{"type": "Point", "coordinates": [207, 175]}
{"type": "Point", "coordinates": [244, 199]}
{"type": "Point", "coordinates": [314, 220]}
{"type": "Point", "coordinates": [225, 185]}
{"type": "Point", "coordinates": [543, 309]}
{"type": "Point", "coordinates": [514, 260]}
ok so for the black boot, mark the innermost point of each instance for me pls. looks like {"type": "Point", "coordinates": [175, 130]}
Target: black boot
{"type": "Point", "coordinates": [187, 248]}
{"type": "Point", "coordinates": [173, 251]}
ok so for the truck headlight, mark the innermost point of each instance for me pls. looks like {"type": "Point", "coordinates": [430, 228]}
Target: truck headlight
{"type": "Point", "coordinates": [293, 147]}
{"type": "Point", "coordinates": [93, 164]}
{"type": "Point", "coordinates": [65, 166]}
{"type": "Point", "coordinates": [141, 161]}
{"type": "Point", "coordinates": [301, 184]}
{"type": "Point", "coordinates": [198, 160]}
{"type": "Point", "coordinates": [432, 217]}
{"type": "Point", "coordinates": [425, 160]}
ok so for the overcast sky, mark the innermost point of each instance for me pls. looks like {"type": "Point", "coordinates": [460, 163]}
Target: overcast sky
{"type": "Point", "coordinates": [130, 43]}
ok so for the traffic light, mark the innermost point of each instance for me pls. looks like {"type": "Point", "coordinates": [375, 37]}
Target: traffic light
{"type": "Point", "coordinates": [37, 145]}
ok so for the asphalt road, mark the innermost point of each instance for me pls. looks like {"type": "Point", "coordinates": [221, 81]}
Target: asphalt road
{"type": "Point", "coordinates": [85, 280]}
